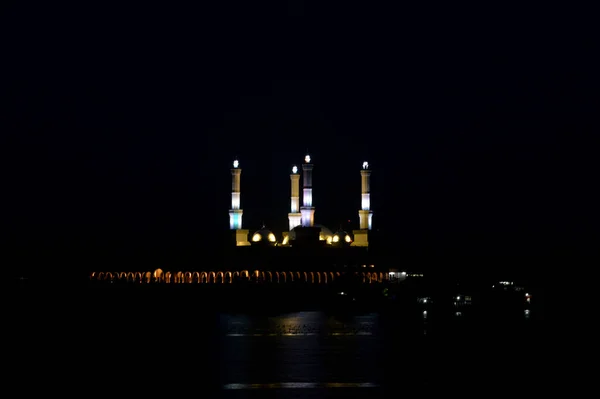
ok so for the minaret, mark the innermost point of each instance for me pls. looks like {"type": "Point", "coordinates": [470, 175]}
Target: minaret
{"type": "Point", "coordinates": [307, 210]}
{"type": "Point", "coordinates": [295, 217]}
{"type": "Point", "coordinates": [235, 213]}
{"type": "Point", "coordinates": [365, 214]}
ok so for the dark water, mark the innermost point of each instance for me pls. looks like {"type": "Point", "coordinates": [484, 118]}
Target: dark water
{"type": "Point", "coordinates": [74, 342]}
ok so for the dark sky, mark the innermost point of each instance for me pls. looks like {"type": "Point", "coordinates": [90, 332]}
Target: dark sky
{"type": "Point", "coordinates": [122, 121]}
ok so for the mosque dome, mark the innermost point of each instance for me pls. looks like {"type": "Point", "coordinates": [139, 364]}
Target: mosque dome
{"type": "Point", "coordinates": [341, 237]}
{"type": "Point", "coordinates": [263, 235]}
{"type": "Point", "coordinates": [324, 234]}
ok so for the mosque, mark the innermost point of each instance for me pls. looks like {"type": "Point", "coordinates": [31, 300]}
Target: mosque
{"type": "Point", "coordinates": [308, 252]}
{"type": "Point", "coordinates": [302, 228]}
{"type": "Point", "coordinates": [306, 245]}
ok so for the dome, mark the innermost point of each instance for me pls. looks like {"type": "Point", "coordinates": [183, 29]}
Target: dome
{"type": "Point", "coordinates": [325, 234]}
{"type": "Point", "coordinates": [263, 235]}
{"type": "Point", "coordinates": [341, 237]}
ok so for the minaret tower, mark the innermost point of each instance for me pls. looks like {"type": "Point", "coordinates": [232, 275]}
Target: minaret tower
{"type": "Point", "coordinates": [235, 213]}
{"type": "Point", "coordinates": [365, 214]}
{"type": "Point", "coordinates": [307, 210]}
{"type": "Point", "coordinates": [295, 217]}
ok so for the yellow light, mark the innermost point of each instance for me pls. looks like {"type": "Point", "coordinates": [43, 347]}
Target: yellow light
{"type": "Point", "coordinates": [336, 238]}
{"type": "Point", "coordinates": [285, 240]}
{"type": "Point", "coordinates": [321, 238]}
{"type": "Point", "coordinates": [329, 240]}
{"type": "Point", "coordinates": [272, 237]}
{"type": "Point", "coordinates": [256, 237]}
{"type": "Point", "coordinates": [347, 238]}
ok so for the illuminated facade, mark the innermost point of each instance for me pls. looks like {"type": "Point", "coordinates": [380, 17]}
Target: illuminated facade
{"type": "Point", "coordinates": [303, 230]}
{"type": "Point", "coordinates": [235, 213]}
{"type": "Point", "coordinates": [307, 210]}
{"type": "Point", "coordinates": [295, 217]}
{"type": "Point", "coordinates": [233, 276]}
{"type": "Point", "coordinates": [307, 253]}
{"type": "Point", "coordinates": [365, 214]}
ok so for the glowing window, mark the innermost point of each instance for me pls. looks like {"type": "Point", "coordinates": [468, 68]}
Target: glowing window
{"type": "Point", "coordinates": [329, 240]}
{"type": "Point", "coordinates": [295, 169]}
{"type": "Point", "coordinates": [256, 237]}
{"type": "Point", "coordinates": [347, 238]}
{"type": "Point", "coordinates": [236, 163]}
{"type": "Point", "coordinates": [271, 237]}
{"type": "Point", "coordinates": [336, 238]}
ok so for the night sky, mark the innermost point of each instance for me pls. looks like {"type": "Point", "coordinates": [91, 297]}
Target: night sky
{"type": "Point", "coordinates": [123, 121]}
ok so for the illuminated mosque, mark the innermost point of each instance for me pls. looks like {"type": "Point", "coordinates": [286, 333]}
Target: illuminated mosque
{"type": "Point", "coordinates": [308, 252]}
{"type": "Point", "coordinates": [306, 245]}
{"type": "Point", "coordinates": [302, 228]}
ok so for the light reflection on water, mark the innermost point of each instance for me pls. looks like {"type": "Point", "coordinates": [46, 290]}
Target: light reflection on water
{"type": "Point", "coordinates": [300, 323]}
{"type": "Point", "coordinates": [295, 351]}
{"type": "Point", "coordinates": [320, 351]}
{"type": "Point", "coordinates": [299, 350]}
